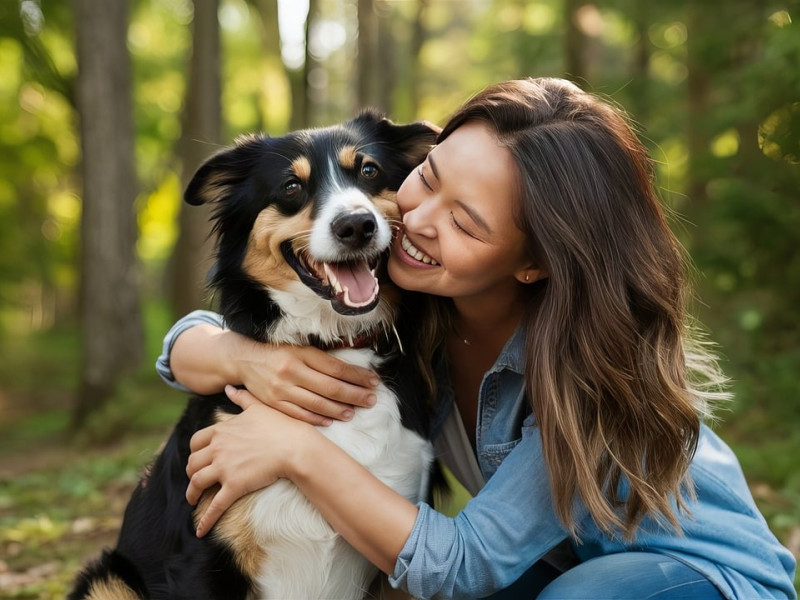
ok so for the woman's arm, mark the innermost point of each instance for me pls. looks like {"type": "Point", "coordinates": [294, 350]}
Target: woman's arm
{"type": "Point", "coordinates": [303, 382]}
{"type": "Point", "coordinates": [501, 532]}
{"type": "Point", "coordinates": [372, 517]}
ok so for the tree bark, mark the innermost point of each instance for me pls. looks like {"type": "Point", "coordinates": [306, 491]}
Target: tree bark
{"type": "Point", "coordinates": [386, 76]}
{"type": "Point", "coordinates": [698, 90]}
{"type": "Point", "coordinates": [301, 98]}
{"type": "Point", "coordinates": [271, 45]}
{"type": "Point", "coordinates": [366, 82]}
{"type": "Point", "coordinates": [111, 323]}
{"type": "Point", "coordinates": [418, 37]}
{"type": "Point", "coordinates": [640, 80]}
{"type": "Point", "coordinates": [201, 136]}
{"type": "Point", "coordinates": [574, 43]}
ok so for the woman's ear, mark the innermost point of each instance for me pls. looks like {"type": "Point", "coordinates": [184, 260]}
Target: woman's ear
{"type": "Point", "coordinates": [530, 274]}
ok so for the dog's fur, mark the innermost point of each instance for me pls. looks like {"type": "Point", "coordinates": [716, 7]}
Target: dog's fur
{"type": "Point", "coordinates": [293, 216]}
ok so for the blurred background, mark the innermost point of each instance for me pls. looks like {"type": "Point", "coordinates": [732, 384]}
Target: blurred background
{"type": "Point", "coordinates": [108, 107]}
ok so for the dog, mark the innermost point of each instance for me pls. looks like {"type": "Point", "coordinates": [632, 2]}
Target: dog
{"type": "Point", "coordinates": [303, 224]}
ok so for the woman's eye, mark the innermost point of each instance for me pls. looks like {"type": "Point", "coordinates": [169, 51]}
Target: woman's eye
{"type": "Point", "coordinates": [369, 170]}
{"type": "Point", "coordinates": [423, 179]}
{"type": "Point", "coordinates": [458, 227]}
{"type": "Point", "coordinates": [292, 187]}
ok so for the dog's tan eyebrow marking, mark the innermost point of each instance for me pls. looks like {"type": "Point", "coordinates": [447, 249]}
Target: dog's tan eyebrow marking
{"type": "Point", "coordinates": [302, 168]}
{"type": "Point", "coordinates": [347, 157]}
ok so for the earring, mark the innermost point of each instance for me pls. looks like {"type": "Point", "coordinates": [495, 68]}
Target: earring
{"type": "Point", "coordinates": [527, 278]}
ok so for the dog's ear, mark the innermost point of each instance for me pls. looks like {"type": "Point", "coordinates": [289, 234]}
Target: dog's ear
{"type": "Point", "coordinates": [224, 169]}
{"type": "Point", "coordinates": [413, 140]}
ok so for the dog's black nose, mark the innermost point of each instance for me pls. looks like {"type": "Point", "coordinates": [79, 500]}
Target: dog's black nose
{"type": "Point", "coordinates": [354, 229]}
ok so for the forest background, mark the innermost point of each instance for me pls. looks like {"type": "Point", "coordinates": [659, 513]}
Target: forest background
{"type": "Point", "coordinates": [108, 106]}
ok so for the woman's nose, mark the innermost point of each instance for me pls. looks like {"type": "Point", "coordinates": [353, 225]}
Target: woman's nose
{"type": "Point", "coordinates": [419, 221]}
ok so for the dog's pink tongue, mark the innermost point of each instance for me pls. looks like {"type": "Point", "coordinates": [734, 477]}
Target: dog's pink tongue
{"type": "Point", "coordinates": [358, 284]}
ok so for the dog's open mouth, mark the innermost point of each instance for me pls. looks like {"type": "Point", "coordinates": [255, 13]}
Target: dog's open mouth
{"type": "Point", "coordinates": [351, 285]}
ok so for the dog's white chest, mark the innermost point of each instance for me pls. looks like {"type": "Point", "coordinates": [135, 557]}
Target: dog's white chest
{"type": "Point", "coordinates": [304, 556]}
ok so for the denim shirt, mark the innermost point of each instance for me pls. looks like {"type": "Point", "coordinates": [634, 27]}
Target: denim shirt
{"type": "Point", "coordinates": [512, 523]}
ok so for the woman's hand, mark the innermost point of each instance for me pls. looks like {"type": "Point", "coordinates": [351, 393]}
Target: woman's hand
{"type": "Point", "coordinates": [305, 382]}
{"type": "Point", "coordinates": [259, 446]}
{"type": "Point", "coordinates": [302, 382]}
{"type": "Point", "coordinates": [244, 453]}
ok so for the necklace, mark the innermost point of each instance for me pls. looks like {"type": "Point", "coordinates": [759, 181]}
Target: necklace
{"type": "Point", "coordinates": [463, 340]}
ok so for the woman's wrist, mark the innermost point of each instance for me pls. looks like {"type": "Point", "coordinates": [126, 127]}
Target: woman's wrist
{"type": "Point", "coordinates": [301, 461]}
{"type": "Point", "coordinates": [236, 351]}
{"type": "Point", "coordinates": [205, 358]}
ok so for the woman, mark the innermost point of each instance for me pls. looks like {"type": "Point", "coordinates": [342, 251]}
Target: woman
{"type": "Point", "coordinates": [567, 384]}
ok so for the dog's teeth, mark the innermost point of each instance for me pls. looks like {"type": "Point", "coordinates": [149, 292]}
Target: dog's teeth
{"type": "Point", "coordinates": [332, 279]}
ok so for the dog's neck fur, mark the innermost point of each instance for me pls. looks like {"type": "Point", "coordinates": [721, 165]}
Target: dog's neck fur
{"type": "Point", "coordinates": [297, 316]}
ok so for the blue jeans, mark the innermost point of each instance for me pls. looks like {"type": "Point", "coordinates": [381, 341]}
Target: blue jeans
{"type": "Point", "coordinates": [624, 576]}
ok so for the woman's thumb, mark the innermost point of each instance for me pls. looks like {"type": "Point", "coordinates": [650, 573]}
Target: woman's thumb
{"type": "Point", "coordinates": [240, 397]}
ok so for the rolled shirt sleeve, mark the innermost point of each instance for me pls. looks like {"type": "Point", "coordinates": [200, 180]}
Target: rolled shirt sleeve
{"type": "Point", "coordinates": [196, 317]}
{"type": "Point", "coordinates": [500, 533]}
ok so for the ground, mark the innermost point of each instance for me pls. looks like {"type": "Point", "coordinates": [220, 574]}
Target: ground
{"type": "Point", "coordinates": [62, 498]}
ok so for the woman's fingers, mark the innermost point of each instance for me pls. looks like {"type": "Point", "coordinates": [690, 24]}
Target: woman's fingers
{"type": "Point", "coordinates": [201, 438]}
{"type": "Point", "coordinates": [199, 482]}
{"type": "Point", "coordinates": [198, 459]}
{"type": "Point", "coordinates": [301, 414]}
{"type": "Point", "coordinates": [221, 502]}
{"type": "Point", "coordinates": [320, 405]}
{"type": "Point", "coordinates": [320, 412]}
{"type": "Point", "coordinates": [344, 371]}
{"type": "Point", "coordinates": [242, 398]}
{"type": "Point", "coordinates": [243, 453]}
{"type": "Point", "coordinates": [319, 384]}
{"type": "Point", "coordinates": [338, 381]}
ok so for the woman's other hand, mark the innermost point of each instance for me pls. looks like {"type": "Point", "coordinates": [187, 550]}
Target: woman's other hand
{"type": "Point", "coordinates": [302, 382]}
{"type": "Point", "coordinates": [241, 454]}
{"type": "Point", "coordinates": [305, 382]}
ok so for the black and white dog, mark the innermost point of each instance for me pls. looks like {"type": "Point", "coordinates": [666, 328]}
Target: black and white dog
{"type": "Point", "coordinates": [303, 223]}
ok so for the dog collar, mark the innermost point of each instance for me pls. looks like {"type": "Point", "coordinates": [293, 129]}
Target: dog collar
{"type": "Point", "coordinates": [364, 340]}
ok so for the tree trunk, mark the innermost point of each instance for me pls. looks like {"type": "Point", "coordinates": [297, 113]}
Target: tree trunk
{"type": "Point", "coordinates": [111, 325]}
{"type": "Point", "coordinates": [386, 76]}
{"type": "Point", "coordinates": [298, 79]}
{"type": "Point", "coordinates": [201, 136]}
{"type": "Point", "coordinates": [640, 80]}
{"type": "Point", "coordinates": [418, 37]}
{"type": "Point", "coordinates": [307, 104]}
{"type": "Point", "coordinates": [574, 43]}
{"type": "Point", "coordinates": [271, 47]}
{"type": "Point", "coordinates": [366, 84]}
{"type": "Point", "coordinates": [698, 84]}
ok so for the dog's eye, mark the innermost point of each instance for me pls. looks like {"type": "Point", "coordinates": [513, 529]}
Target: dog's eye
{"type": "Point", "coordinates": [292, 187]}
{"type": "Point", "coordinates": [369, 170]}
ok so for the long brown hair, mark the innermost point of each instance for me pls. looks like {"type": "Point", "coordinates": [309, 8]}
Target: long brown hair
{"type": "Point", "coordinates": [615, 380]}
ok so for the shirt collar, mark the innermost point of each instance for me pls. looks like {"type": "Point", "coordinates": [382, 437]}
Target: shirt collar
{"type": "Point", "coordinates": [512, 357]}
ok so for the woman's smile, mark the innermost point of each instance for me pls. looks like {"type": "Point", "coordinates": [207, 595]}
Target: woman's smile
{"type": "Point", "coordinates": [409, 250]}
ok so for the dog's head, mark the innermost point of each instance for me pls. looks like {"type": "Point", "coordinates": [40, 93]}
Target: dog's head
{"type": "Point", "coordinates": [306, 218]}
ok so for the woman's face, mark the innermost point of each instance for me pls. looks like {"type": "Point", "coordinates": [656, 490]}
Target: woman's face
{"type": "Point", "coordinates": [459, 238]}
